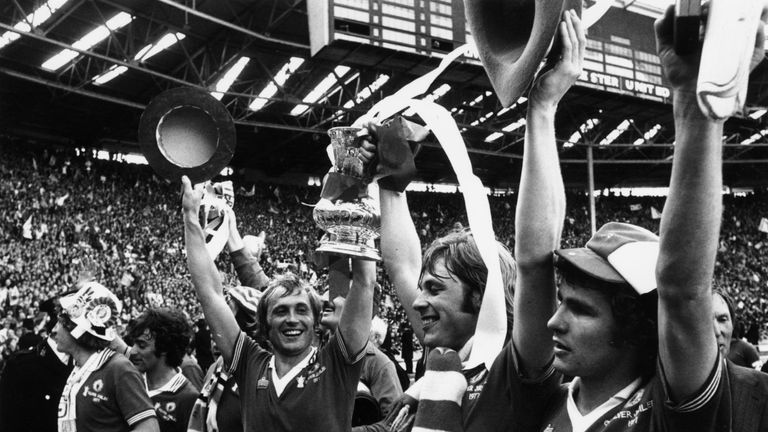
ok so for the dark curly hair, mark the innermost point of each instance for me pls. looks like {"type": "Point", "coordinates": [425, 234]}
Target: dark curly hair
{"type": "Point", "coordinates": [171, 331]}
{"type": "Point", "coordinates": [462, 259]}
{"type": "Point", "coordinates": [292, 284]}
{"type": "Point", "coordinates": [636, 316]}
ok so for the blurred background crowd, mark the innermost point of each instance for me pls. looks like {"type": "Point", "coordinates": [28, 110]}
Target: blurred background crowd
{"type": "Point", "coordinates": [66, 216]}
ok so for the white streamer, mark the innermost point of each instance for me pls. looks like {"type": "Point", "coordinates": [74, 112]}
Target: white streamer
{"type": "Point", "coordinates": [593, 14]}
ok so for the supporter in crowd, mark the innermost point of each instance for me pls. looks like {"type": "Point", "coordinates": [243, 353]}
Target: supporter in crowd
{"type": "Point", "coordinates": [191, 369]}
{"type": "Point", "coordinates": [734, 349]}
{"type": "Point", "coordinates": [630, 372]}
{"type": "Point", "coordinates": [218, 407]}
{"type": "Point", "coordinates": [379, 333]}
{"type": "Point", "coordinates": [378, 374]}
{"type": "Point", "coordinates": [104, 392]}
{"type": "Point", "coordinates": [32, 382]}
{"type": "Point", "coordinates": [159, 339]}
{"type": "Point", "coordinates": [407, 345]}
{"type": "Point", "coordinates": [297, 386]}
{"type": "Point", "coordinates": [201, 344]}
{"type": "Point", "coordinates": [112, 213]}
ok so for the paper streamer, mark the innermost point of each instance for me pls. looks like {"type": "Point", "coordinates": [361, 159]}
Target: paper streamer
{"type": "Point", "coordinates": [395, 103]}
{"type": "Point", "coordinates": [593, 14]}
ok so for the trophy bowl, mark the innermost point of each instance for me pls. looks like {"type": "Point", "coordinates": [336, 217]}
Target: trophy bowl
{"type": "Point", "coordinates": [351, 227]}
{"type": "Point", "coordinates": [350, 217]}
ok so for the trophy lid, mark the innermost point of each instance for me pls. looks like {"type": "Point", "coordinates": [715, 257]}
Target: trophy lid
{"type": "Point", "coordinates": [186, 131]}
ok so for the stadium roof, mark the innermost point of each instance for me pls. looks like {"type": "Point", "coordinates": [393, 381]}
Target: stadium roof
{"type": "Point", "coordinates": [119, 54]}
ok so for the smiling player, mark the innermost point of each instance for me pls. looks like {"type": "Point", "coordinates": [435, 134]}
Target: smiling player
{"type": "Point", "coordinates": [297, 386]}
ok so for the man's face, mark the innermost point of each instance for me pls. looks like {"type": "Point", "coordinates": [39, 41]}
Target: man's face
{"type": "Point", "coordinates": [291, 323]}
{"type": "Point", "coordinates": [723, 324]}
{"type": "Point", "coordinates": [143, 354]}
{"type": "Point", "coordinates": [332, 313]}
{"type": "Point", "coordinates": [441, 304]}
{"type": "Point", "coordinates": [584, 327]}
{"type": "Point", "coordinates": [65, 342]}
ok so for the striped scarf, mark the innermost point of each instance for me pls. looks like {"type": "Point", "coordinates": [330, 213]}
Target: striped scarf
{"type": "Point", "coordinates": [203, 417]}
{"type": "Point", "coordinates": [437, 395]}
{"type": "Point", "coordinates": [78, 376]}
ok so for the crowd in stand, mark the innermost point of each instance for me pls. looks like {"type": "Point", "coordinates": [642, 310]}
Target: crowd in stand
{"type": "Point", "coordinates": [633, 331]}
{"type": "Point", "coordinates": [66, 215]}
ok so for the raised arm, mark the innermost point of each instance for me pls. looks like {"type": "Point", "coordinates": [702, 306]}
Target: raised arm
{"type": "Point", "coordinates": [245, 259]}
{"type": "Point", "coordinates": [541, 205]}
{"type": "Point", "coordinates": [205, 275]}
{"type": "Point", "coordinates": [401, 252]}
{"type": "Point", "coordinates": [689, 229]}
{"type": "Point", "coordinates": [355, 321]}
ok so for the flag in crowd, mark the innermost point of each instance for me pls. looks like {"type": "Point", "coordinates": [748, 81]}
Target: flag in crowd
{"type": "Point", "coordinates": [763, 225]}
{"type": "Point", "coordinates": [26, 229]}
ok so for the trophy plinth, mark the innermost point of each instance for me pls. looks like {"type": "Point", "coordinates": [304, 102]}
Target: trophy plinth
{"type": "Point", "coordinates": [350, 217]}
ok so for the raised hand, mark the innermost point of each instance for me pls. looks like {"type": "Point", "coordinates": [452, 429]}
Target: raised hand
{"type": "Point", "coordinates": [190, 197]}
{"type": "Point", "coordinates": [551, 86]}
{"type": "Point", "coordinates": [682, 71]}
{"type": "Point", "coordinates": [367, 146]}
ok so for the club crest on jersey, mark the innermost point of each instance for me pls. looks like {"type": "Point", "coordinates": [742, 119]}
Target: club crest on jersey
{"type": "Point", "coordinates": [635, 399]}
{"type": "Point", "coordinates": [315, 372]}
{"type": "Point", "coordinates": [98, 385]}
{"type": "Point", "coordinates": [170, 407]}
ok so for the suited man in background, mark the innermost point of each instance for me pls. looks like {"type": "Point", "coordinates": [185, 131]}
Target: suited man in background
{"type": "Point", "coordinates": [32, 382]}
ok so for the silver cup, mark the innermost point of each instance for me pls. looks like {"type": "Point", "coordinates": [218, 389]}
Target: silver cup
{"type": "Point", "coordinates": [351, 225]}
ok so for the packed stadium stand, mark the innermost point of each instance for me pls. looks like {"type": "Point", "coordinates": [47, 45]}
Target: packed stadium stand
{"type": "Point", "coordinates": [65, 216]}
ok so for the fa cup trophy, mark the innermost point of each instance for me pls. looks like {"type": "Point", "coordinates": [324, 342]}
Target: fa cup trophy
{"type": "Point", "coordinates": [346, 211]}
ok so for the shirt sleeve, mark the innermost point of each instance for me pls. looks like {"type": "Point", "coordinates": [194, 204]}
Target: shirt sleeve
{"type": "Point", "coordinates": [707, 409]}
{"type": "Point", "coordinates": [337, 341]}
{"type": "Point", "coordinates": [194, 374]}
{"type": "Point", "coordinates": [751, 355]}
{"type": "Point", "coordinates": [244, 350]}
{"type": "Point", "coordinates": [380, 376]}
{"type": "Point", "coordinates": [511, 401]}
{"type": "Point", "coordinates": [131, 395]}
